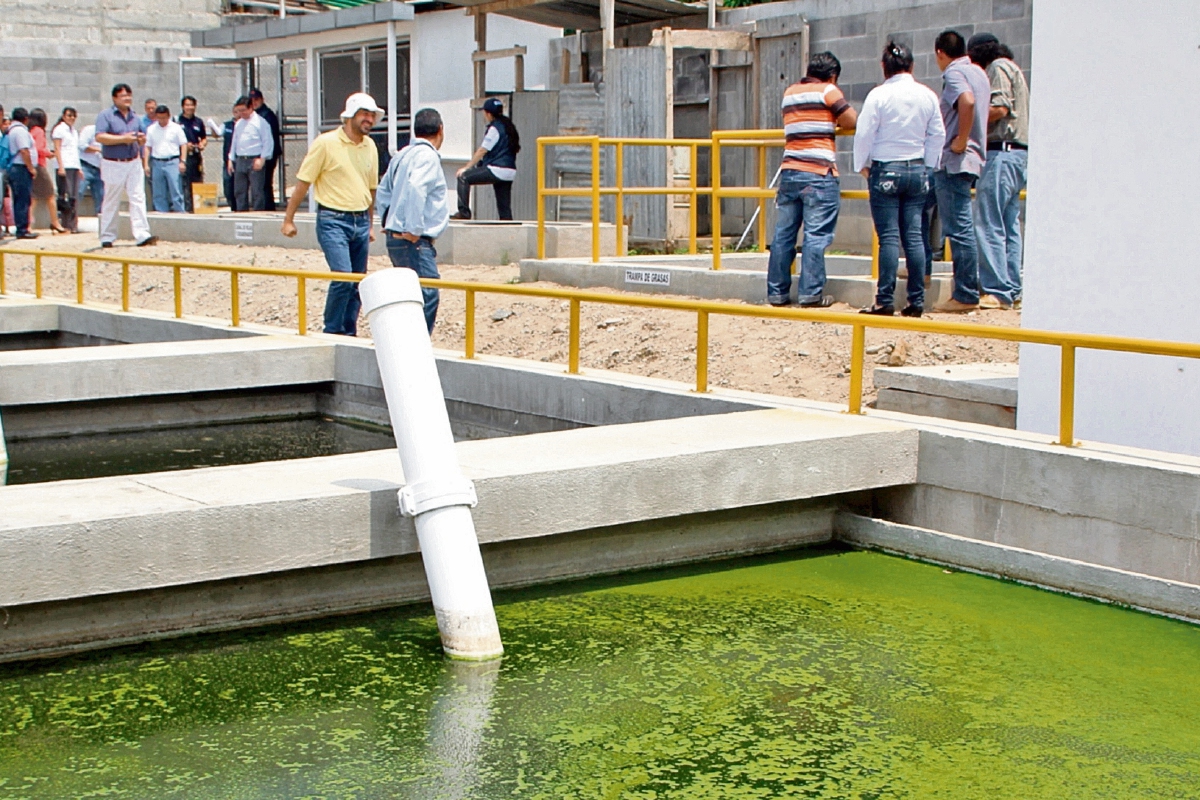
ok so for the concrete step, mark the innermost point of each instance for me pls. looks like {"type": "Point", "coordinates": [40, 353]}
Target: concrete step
{"type": "Point", "coordinates": [981, 393]}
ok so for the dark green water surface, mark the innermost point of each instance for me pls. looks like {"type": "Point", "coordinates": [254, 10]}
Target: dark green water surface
{"type": "Point", "coordinates": [137, 452]}
{"type": "Point", "coordinates": [838, 674]}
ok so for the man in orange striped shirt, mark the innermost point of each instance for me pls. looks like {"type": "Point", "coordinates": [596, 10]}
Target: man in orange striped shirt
{"type": "Point", "coordinates": [809, 193]}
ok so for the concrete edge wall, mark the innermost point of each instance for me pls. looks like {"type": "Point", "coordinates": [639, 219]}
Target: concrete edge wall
{"type": "Point", "coordinates": [1142, 592]}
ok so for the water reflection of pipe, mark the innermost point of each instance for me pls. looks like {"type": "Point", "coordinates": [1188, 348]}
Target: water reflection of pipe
{"type": "Point", "coordinates": [457, 721]}
{"type": "Point", "coordinates": [436, 493]}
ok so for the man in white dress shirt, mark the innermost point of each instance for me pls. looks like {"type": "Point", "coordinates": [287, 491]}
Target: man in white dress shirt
{"type": "Point", "coordinates": [412, 202]}
{"type": "Point", "coordinates": [252, 147]}
{"type": "Point", "coordinates": [165, 159]}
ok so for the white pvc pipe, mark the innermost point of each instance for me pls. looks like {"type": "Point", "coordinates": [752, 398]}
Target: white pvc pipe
{"type": "Point", "coordinates": [3, 456]}
{"type": "Point", "coordinates": [435, 491]}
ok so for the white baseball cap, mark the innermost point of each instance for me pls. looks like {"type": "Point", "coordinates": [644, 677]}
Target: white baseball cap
{"type": "Point", "coordinates": [360, 101]}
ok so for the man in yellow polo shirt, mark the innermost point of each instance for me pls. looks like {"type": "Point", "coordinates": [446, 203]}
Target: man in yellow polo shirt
{"type": "Point", "coordinates": [342, 167]}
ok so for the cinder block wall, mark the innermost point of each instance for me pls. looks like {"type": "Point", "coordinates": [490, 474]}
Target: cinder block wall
{"type": "Point", "coordinates": [71, 52]}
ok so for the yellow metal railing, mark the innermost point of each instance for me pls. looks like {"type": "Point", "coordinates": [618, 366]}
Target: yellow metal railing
{"type": "Point", "coordinates": [759, 140]}
{"type": "Point", "coordinates": [858, 323]}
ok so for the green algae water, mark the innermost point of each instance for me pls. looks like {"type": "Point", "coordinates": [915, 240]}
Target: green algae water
{"type": "Point", "coordinates": [833, 674]}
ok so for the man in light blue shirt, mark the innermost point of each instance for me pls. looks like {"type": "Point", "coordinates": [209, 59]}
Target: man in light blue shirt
{"type": "Point", "coordinates": [412, 202]}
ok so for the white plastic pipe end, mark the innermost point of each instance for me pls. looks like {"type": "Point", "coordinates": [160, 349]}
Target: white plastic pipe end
{"type": "Point", "coordinates": [388, 286]}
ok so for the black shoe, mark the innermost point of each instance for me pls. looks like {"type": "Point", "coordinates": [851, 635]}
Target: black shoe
{"type": "Point", "coordinates": [148, 241]}
{"type": "Point", "coordinates": [106, 244]}
{"type": "Point", "coordinates": [461, 215]}
{"type": "Point", "coordinates": [912, 311]}
{"type": "Point", "coordinates": [824, 302]}
{"type": "Point", "coordinates": [27, 235]}
{"type": "Point", "coordinates": [779, 302]}
{"type": "Point", "coordinates": [879, 311]}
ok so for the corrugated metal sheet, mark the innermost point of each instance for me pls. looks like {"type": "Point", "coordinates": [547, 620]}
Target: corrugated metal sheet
{"type": "Point", "coordinates": [580, 113]}
{"type": "Point", "coordinates": [635, 105]}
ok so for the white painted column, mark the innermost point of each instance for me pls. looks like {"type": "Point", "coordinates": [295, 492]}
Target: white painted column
{"type": "Point", "coordinates": [435, 491]}
{"type": "Point", "coordinates": [391, 89]}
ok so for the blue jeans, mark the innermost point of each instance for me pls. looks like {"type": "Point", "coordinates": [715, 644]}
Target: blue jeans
{"type": "Point", "coordinates": [95, 186]}
{"type": "Point", "coordinates": [898, 190]}
{"type": "Point", "coordinates": [813, 200]}
{"type": "Point", "coordinates": [958, 223]}
{"type": "Point", "coordinates": [998, 223]}
{"type": "Point", "coordinates": [164, 185]}
{"type": "Point", "coordinates": [20, 186]}
{"type": "Point", "coordinates": [345, 238]}
{"type": "Point", "coordinates": [422, 257]}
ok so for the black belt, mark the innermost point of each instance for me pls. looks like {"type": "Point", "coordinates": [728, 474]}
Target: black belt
{"type": "Point", "coordinates": [394, 235]}
{"type": "Point", "coordinates": [156, 158]}
{"type": "Point", "coordinates": [1006, 146]}
{"type": "Point", "coordinates": [321, 207]}
{"type": "Point", "coordinates": [132, 158]}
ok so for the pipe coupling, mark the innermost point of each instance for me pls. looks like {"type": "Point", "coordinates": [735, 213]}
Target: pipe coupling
{"type": "Point", "coordinates": [417, 498]}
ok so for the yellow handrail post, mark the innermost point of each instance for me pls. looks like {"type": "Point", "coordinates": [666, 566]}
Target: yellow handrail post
{"type": "Point", "coordinates": [693, 200]}
{"type": "Point", "coordinates": [541, 199]}
{"type": "Point", "coordinates": [595, 199]}
{"type": "Point", "coordinates": [947, 255]}
{"type": "Point", "coordinates": [762, 201]}
{"type": "Point", "coordinates": [1066, 401]}
{"type": "Point", "coordinates": [469, 333]}
{"type": "Point", "coordinates": [701, 351]}
{"type": "Point", "coordinates": [37, 276]}
{"type": "Point", "coordinates": [716, 200]}
{"type": "Point", "coordinates": [620, 199]}
{"type": "Point", "coordinates": [124, 287]}
{"type": "Point", "coordinates": [178, 293]}
{"type": "Point", "coordinates": [874, 255]}
{"type": "Point", "coordinates": [235, 302]}
{"type": "Point", "coordinates": [79, 280]}
{"type": "Point", "coordinates": [857, 341]}
{"type": "Point", "coordinates": [301, 307]}
{"type": "Point", "coordinates": [573, 339]}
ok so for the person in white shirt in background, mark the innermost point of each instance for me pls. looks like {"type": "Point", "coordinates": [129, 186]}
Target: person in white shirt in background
{"type": "Point", "coordinates": [252, 147]}
{"type": "Point", "coordinates": [66, 154]}
{"type": "Point", "coordinates": [164, 160]}
{"type": "Point", "coordinates": [89, 161]}
{"type": "Point", "coordinates": [897, 145]}
{"type": "Point", "coordinates": [412, 202]}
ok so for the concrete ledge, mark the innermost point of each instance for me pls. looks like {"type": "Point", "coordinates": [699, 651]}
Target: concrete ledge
{"type": "Point", "coordinates": [1063, 574]}
{"type": "Point", "coordinates": [25, 316]}
{"type": "Point", "coordinates": [95, 373]}
{"type": "Point", "coordinates": [995, 384]}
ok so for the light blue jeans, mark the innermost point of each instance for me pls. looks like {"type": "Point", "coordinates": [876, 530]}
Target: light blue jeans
{"type": "Point", "coordinates": [165, 187]}
{"type": "Point", "coordinates": [421, 257]}
{"type": "Point", "coordinates": [998, 223]}
{"type": "Point", "coordinates": [813, 200]}
{"type": "Point", "coordinates": [345, 238]}
{"type": "Point", "coordinates": [958, 223]}
{"type": "Point", "coordinates": [95, 185]}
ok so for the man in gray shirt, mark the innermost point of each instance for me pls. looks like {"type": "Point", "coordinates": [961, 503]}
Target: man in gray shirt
{"type": "Point", "coordinates": [964, 103]}
{"type": "Point", "coordinates": [998, 210]}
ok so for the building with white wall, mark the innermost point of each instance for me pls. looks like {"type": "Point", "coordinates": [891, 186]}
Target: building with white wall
{"type": "Point", "coordinates": [1114, 199]}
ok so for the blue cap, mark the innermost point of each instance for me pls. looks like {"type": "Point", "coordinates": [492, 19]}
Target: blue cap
{"type": "Point", "coordinates": [493, 106]}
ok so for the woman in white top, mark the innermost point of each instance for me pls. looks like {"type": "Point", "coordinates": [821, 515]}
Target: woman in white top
{"type": "Point", "coordinates": [897, 145]}
{"type": "Point", "coordinates": [66, 154]}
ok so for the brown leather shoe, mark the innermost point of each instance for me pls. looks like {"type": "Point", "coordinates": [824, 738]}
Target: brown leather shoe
{"type": "Point", "coordinates": [989, 301]}
{"type": "Point", "coordinates": [952, 306]}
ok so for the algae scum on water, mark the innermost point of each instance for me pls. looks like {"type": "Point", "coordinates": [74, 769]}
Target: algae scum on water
{"type": "Point", "coordinates": [840, 674]}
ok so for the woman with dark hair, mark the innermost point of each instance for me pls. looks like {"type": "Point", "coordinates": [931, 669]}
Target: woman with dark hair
{"type": "Point", "coordinates": [498, 154]}
{"type": "Point", "coordinates": [43, 184]}
{"type": "Point", "coordinates": [897, 145]}
{"type": "Point", "coordinates": [66, 153]}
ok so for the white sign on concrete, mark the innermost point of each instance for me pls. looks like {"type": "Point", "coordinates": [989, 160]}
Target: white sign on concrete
{"type": "Point", "coordinates": [653, 277]}
{"type": "Point", "coordinates": [243, 231]}
{"type": "Point", "coordinates": [1111, 241]}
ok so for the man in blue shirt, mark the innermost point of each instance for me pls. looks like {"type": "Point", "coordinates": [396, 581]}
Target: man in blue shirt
{"type": "Point", "coordinates": [21, 170]}
{"type": "Point", "coordinates": [966, 93]}
{"type": "Point", "coordinates": [120, 134]}
{"type": "Point", "coordinates": [412, 202]}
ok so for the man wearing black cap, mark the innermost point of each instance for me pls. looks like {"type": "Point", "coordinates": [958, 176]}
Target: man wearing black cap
{"type": "Point", "coordinates": [495, 162]}
{"type": "Point", "coordinates": [998, 210]}
{"type": "Point", "coordinates": [260, 107]}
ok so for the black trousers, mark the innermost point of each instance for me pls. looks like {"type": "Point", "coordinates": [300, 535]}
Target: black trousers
{"type": "Point", "coordinates": [194, 174]}
{"type": "Point", "coordinates": [482, 175]}
{"type": "Point", "coordinates": [230, 194]}
{"type": "Point", "coordinates": [269, 183]}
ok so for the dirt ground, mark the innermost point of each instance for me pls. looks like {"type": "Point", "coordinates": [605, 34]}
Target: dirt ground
{"type": "Point", "coordinates": [794, 359]}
